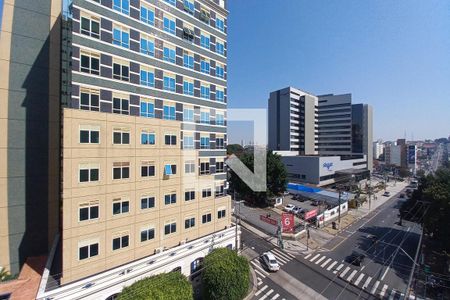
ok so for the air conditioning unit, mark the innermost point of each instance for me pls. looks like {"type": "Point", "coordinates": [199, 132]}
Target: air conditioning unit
{"type": "Point", "coordinates": [158, 250]}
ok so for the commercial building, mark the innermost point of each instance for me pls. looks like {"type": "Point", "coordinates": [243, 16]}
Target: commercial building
{"type": "Point", "coordinates": [378, 149]}
{"type": "Point", "coordinates": [114, 135]}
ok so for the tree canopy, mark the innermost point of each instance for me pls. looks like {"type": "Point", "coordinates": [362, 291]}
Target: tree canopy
{"type": "Point", "coordinates": [235, 149]}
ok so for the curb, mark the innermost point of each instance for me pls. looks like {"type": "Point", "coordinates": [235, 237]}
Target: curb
{"type": "Point", "coordinates": [255, 284]}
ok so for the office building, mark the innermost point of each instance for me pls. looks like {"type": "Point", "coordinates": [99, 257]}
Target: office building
{"type": "Point", "coordinates": [115, 137]}
{"type": "Point", "coordinates": [378, 149]}
{"type": "Point", "coordinates": [362, 132]}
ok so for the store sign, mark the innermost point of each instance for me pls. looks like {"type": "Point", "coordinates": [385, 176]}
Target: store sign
{"type": "Point", "coordinates": [268, 220]}
{"type": "Point", "coordinates": [287, 220]}
{"type": "Point", "coordinates": [327, 165]}
{"type": "Point", "coordinates": [310, 214]}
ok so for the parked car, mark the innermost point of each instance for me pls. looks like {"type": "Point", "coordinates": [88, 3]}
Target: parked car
{"type": "Point", "coordinates": [356, 259]}
{"type": "Point", "coordinates": [297, 210]}
{"type": "Point", "coordinates": [270, 261]}
{"type": "Point", "coordinates": [386, 194]}
{"type": "Point", "coordinates": [285, 193]}
{"type": "Point", "coordinates": [289, 207]}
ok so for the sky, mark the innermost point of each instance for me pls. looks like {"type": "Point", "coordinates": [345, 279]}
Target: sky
{"type": "Point", "coordinates": [393, 55]}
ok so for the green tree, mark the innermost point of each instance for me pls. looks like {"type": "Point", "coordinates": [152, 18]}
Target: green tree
{"type": "Point", "coordinates": [226, 275]}
{"type": "Point", "coordinates": [276, 179]}
{"type": "Point", "coordinates": [235, 149]}
{"type": "Point", "coordinates": [165, 286]}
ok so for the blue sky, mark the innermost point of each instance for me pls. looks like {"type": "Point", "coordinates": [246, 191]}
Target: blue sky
{"type": "Point", "coordinates": [394, 55]}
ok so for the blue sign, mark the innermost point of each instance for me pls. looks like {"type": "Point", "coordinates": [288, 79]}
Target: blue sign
{"type": "Point", "coordinates": [327, 165]}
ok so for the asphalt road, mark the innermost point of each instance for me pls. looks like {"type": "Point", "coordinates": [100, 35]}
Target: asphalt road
{"type": "Point", "coordinates": [383, 274]}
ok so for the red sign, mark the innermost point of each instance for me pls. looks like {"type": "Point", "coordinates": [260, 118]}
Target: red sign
{"type": "Point", "coordinates": [287, 220]}
{"type": "Point", "coordinates": [268, 220]}
{"type": "Point", "coordinates": [310, 214]}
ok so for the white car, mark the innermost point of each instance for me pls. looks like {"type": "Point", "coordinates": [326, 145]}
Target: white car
{"type": "Point", "coordinates": [297, 210]}
{"type": "Point", "coordinates": [289, 207]}
{"type": "Point", "coordinates": [270, 261]}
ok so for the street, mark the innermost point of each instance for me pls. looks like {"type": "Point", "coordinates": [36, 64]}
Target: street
{"type": "Point", "coordinates": [327, 273]}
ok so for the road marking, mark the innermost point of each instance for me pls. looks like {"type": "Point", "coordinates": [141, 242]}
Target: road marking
{"type": "Point", "coordinates": [375, 286]}
{"type": "Point", "coordinates": [383, 290]}
{"type": "Point", "coordinates": [281, 260]}
{"type": "Point", "coordinates": [338, 268]}
{"type": "Point", "coordinates": [320, 259]}
{"type": "Point", "coordinates": [266, 295]}
{"type": "Point", "coordinates": [314, 258]}
{"type": "Point", "coordinates": [366, 284]}
{"type": "Point", "coordinates": [260, 274]}
{"type": "Point", "coordinates": [325, 263]}
{"type": "Point", "coordinates": [307, 256]}
{"type": "Point", "coordinates": [332, 265]}
{"type": "Point", "coordinates": [349, 278]}
{"type": "Point", "coordinates": [344, 272]}
{"type": "Point", "coordinates": [361, 276]}
{"type": "Point", "coordinates": [261, 290]}
{"type": "Point", "coordinates": [392, 295]}
{"type": "Point", "coordinates": [260, 282]}
{"type": "Point", "coordinates": [259, 268]}
{"type": "Point", "coordinates": [282, 254]}
{"type": "Point", "coordinates": [290, 255]}
{"type": "Point", "coordinates": [275, 297]}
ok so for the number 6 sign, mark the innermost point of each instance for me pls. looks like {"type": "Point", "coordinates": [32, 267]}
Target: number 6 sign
{"type": "Point", "coordinates": [287, 221]}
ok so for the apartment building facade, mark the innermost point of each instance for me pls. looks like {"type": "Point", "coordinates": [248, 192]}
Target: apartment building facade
{"type": "Point", "coordinates": [144, 131]}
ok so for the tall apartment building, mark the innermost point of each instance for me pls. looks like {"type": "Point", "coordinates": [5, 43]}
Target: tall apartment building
{"type": "Point", "coordinates": [124, 158]}
{"type": "Point", "coordinates": [293, 121]}
{"type": "Point", "coordinates": [378, 149]}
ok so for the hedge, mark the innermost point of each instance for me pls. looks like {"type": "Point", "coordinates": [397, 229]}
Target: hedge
{"type": "Point", "coordinates": [166, 286]}
{"type": "Point", "coordinates": [226, 275]}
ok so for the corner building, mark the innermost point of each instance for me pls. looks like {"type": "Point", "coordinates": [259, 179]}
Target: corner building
{"type": "Point", "coordinates": [143, 130]}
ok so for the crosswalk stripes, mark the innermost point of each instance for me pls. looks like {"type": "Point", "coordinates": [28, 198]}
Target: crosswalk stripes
{"type": "Point", "coordinates": [338, 268]}
{"type": "Point", "coordinates": [325, 263]}
{"type": "Point", "coordinates": [358, 280]}
{"type": "Point", "coordinates": [375, 286]}
{"type": "Point", "coordinates": [285, 255]}
{"type": "Point", "coordinates": [308, 256]}
{"type": "Point", "coordinates": [259, 269]}
{"type": "Point", "coordinates": [349, 278]}
{"type": "Point", "coordinates": [312, 259]}
{"type": "Point", "coordinates": [319, 260]}
{"type": "Point", "coordinates": [266, 295]}
{"type": "Point", "coordinates": [344, 272]}
{"type": "Point", "coordinates": [261, 290]}
{"type": "Point", "coordinates": [383, 290]}
{"type": "Point", "coordinates": [332, 265]}
{"type": "Point", "coordinates": [275, 297]}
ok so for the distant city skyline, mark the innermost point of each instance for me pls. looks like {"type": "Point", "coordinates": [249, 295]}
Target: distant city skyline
{"type": "Point", "coordinates": [391, 55]}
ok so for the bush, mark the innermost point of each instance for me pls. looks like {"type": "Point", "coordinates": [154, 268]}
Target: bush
{"type": "Point", "coordinates": [166, 286]}
{"type": "Point", "coordinates": [225, 275]}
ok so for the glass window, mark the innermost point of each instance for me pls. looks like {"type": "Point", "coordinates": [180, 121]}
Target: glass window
{"type": "Point", "coordinates": [121, 137]}
{"type": "Point", "coordinates": [147, 109]}
{"type": "Point", "coordinates": [189, 6]}
{"type": "Point", "coordinates": [219, 119]}
{"type": "Point", "coordinates": [188, 88]}
{"type": "Point", "coordinates": [121, 106]}
{"type": "Point", "coordinates": [120, 242]}
{"type": "Point", "coordinates": [169, 84]}
{"type": "Point", "coordinates": [90, 63]}
{"type": "Point", "coordinates": [147, 15]}
{"type": "Point", "coordinates": [206, 193]}
{"type": "Point", "coordinates": [147, 46]}
{"type": "Point", "coordinates": [122, 6]}
{"type": "Point", "coordinates": [221, 214]}
{"type": "Point", "coordinates": [147, 138]}
{"type": "Point", "coordinates": [204, 41]}
{"type": "Point", "coordinates": [90, 100]}
{"type": "Point", "coordinates": [147, 78]}
{"type": "Point", "coordinates": [170, 169]}
{"type": "Point", "coordinates": [219, 71]}
{"type": "Point", "coordinates": [189, 167]}
{"type": "Point", "coordinates": [220, 167]}
{"type": "Point", "coordinates": [121, 207]}
{"type": "Point", "coordinates": [188, 142]}
{"type": "Point", "coordinates": [171, 2]}
{"type": "Point", "coordinates": [121, 37]}
{"type": "Point", "coordinates": [204, 66]}
{"type": "Point", "coordinates": [147, 234]}
{"type": "Point", "coordinates": [170, 228]}
{"type": "Point", "coordinates": [169, 54]}
{"type": "Point", "coordinates": [169, 112]}
{"type": "Point", "coordinates": [169, 25]}
{"type": "Point", "coordinates": [220, 96]}
{"type": "Point", "coordinates": [88, 174]}
{"type": "Point", "coordinates": [88, 212]}
{"type": "Point", "coordinates": [206, 218]}
{"type": "Point", "coordinates": [89, 136]}
{"type": "Point", "coordinates": [90, 26]}
{"type": "Point", "coordinates": [148, 169]}
{"type": "Point", "coordinates": [204, 142]}
{"type": "Point", "coordinates": [170, 139]}
{"type": "Point", "coordinates": [220, 48]}
{"type": "Point", "coordinates": [188, 60]}
{"type": "Point", "coordinates": [147, 202]}
{"type": "Point", "coordinates": [88, 251]}
{"type": "Point", "coordinates": [220, 24]}
{"type": "Point", "coordinates": [170, 199]}
{"type": "Point", "coordinates": [220, 143]}
{"type": "Point", "coordinates": [188, 115]}
{"type": "Point", "coordinates": [121, 71]}
{"type": "Point", "coordinates": [204, 117]}
{"type": "Point", "coordinates": [204, 168]}
{"type": "Point", "coordinates": [189, 223]}
{"type": "Point", "coordinates": [121, 170]}
{"type": "Point", "coordinates": [204, 92]}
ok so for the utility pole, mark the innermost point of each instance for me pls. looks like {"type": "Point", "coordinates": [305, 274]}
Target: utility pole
{"type": "Point", "coordinates": [370, 191]}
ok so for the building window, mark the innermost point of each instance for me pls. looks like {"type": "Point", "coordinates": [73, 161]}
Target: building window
{"type": "Point", "coordinates": [121, 137]}
{"type": "Point", "coordinates": [189, 167]}
{"type": "Point", "coordinates": [147, 46]}
{"type": "Point", "coordinates": [169, 54]}
{"type": "Point", "coordinates": [147, 108]}
{"type": "Point", "coordinates": [189, 6]}
{"type": "Point", "coordinates": [220, 24]}
{"type": "Point", "coordinates": [188, 88]}
{"type": "Point", "coordinates": [90, 63]}
{"type": "Point", "coordinates": [169, 25]}
{"type": "Point", "coordinates": [204, 66]}
{"type": "Point", "coordinates": [206, 218]}
{"type": "Point", "coordinates": [147, 138]}
{"type": "Point", "coordinates": [206, 193]}
{"type": "Point", "coordinates": [221, 214]}
{"type": "Point", "coordinates": [121, 170]}
{"type": "Point", "coordinates": [189, 223]}
{"type": "Point", "coordinates": [147, 77]}
{"type": "Point", "coordinates": [170, 228]}
{"type": "Point", "coordinates": [121, 106]}
{"type": "Point", "coordinates": [220, 143]}
{"type": "Point", "coordinates": [220, 167]}
{"type": "Point", "coordinates": [120, 242]}
{"type": "Point", "coordinates": [204, 41]}
{"type": "Point", "coordinates": [89, 135]}
{"type": "Point", "coordinates": [88, 251]}
{"type": "Point", "coordinates": [189, 195]}
{"type": "Point", "coordinates": [169, 83]}
{"type": "Point", "coordinates": [122, 6]}
{"type": "Point", "coordinates": [188, 34]}
{"type": "Point", "coordinates": [204, 168]}
{"type": "Point", "coordinates": [170, 139]}
{"type": "Point", "coordinates": [220, 47]}
{"type": "Point", "coordinates": [121, 70]}
{"type": "Point", "coordinates": [147, 15]}
{"type": "Point", "coordinates": [220, 96]}
{"type": "Point", "coordinates": [90, 26]}
{"type": "Point", "coordinates": [88, 211]}
{"type": "Point", "coordinates": [88, 173]}
{"type": "Point", "coordinates": [204, 92]}
{"type": "Point", "coordinates": [188, 142]}
{"type": "Point", "coordinates": [170, 199]}
{"type": "Point", "coordinates": [147, 169]}
{"type": "Point", "coordinates": [188, 60]}
{"type": "Point", "coordinates": [204, 142]}
{"type": "Point", "coordinates": [219, 71]}
{"type": "Point", "coordinates": [204, 117]}
{"type": "Point", "coordinates": [170, 169]}
{"type": "Point", "coordinates": [89, 100]}
{"type": "Point", "coordinates": [120, 207]}
{"type": "Point", "coordinates": [147, 202]}
{"type": "Point", "coordinates": [219, 191]}
{"type": "Point", "coordinates": [204, 16]}
{"type": "Point", "coordinates": [147, 234]}
{"type": "Point", "coordinates": [169, 112]}
{"type": "Point", "coordinates": [171, 2]}
{"type": "Point", "coordinates": [219, 120]}
{"type": "Point", "coordinates": [188, 115]}
{"type": "Point", "coordinates": [121, 37]}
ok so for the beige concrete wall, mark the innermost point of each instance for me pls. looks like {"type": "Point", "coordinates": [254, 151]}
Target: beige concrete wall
{"type": "Point", "coordinates": [106, 189]}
